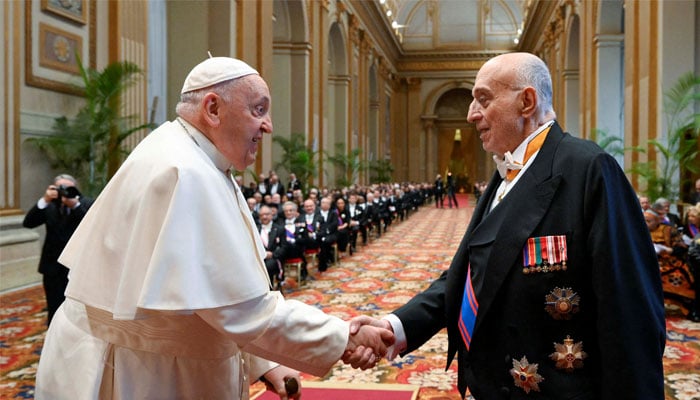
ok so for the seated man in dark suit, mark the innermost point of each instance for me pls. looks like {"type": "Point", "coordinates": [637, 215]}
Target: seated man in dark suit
{"type": "Point", "coordinates": [357, 221]}
{"type": "Point", "coordinates": [327, 233]}
{"type": "Point", "coordinates": [381, 210]}
{"type": "Point", "coordinates": [271, 236]}
{"type": "Point", "coordinates": [274, 185]}
{"type": "Point", "coordinates": [311, 220]}
{"type": "Point", "coordinates": [293, 241]}
{"type": "Point", "coordinates": [371, 216]}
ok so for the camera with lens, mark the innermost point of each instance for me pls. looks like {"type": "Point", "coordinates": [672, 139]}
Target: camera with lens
{"type": "Point", "coordinates": [69, 192]}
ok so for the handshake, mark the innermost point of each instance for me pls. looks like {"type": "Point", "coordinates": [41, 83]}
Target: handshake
{"type": "Point", "coordinates": [368, 342]}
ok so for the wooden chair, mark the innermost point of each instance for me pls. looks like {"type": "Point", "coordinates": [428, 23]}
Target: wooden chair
{"type": "Point", "coordinates": [336, 256]}
{"type": "Point", "coordinates": [296, 265]}
{"type": "Point", "coordinates": [311, 256]}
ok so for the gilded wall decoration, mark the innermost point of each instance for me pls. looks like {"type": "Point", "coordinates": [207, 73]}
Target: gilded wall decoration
{"type": "Point", "coordinates": [54, 44]}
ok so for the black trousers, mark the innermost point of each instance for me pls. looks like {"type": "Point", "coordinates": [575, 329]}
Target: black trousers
{"type": "Point", "coordinates": [54, 288]}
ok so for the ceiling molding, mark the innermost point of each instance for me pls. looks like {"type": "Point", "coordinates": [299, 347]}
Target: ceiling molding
{"type": "Point", "coordinates": [539, 15]}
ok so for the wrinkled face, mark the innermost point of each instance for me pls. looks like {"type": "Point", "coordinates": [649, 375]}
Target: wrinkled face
{"type": "Point", "coordinates": [244, 120]}
{"type": "Point", "coordinates": [265, 215]}
{"type": "Point", "coordinates": [651, 220]}
{"type": "Point", "coordinates": [644, 202]}
{"type": "Point", "coordinates": [290, 212]}
{"type": "Point", "coordinates": [495, 109]}
{"type": "Point", "coordinates": [309, 206]}
{"type": "Point", "coordinates": [325, 204]}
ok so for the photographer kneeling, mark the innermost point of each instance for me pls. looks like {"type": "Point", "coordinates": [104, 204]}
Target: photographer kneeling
{"type": "Point", "coordinates": [61, 209]}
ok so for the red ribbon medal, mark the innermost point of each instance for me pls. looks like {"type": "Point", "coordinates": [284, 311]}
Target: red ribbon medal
{"type": "Point", "coordinates": [545, 254]}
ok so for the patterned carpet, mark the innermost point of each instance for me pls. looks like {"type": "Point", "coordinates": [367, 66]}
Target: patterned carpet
{"type": "Point", "coordinates": [375, 280]}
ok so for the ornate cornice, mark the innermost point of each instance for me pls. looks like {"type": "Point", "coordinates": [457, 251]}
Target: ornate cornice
{"type": "Point", "coordinates": [411, 81]}
{"type": "Point", "coordinates": [539, 13]}
{"type": "Point", "coordinates": [354, 29]}
{"type": "Point", "coordinates": [375, 23]}
{"type": "Point", "coordinates": [340, 10]}
{"type": "Point", "coordinates": [440, 65]}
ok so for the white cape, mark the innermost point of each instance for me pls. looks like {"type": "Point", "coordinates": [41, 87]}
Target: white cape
{"type": "Point", "coordinates": [166, 234]}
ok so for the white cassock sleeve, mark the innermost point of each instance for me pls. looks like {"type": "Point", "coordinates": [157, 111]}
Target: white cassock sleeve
{"type": "Point", "coordinates": [289, 332]}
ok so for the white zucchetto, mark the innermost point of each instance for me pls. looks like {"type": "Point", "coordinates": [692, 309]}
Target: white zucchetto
{"type": "Point", "coordinates": [215, 70]}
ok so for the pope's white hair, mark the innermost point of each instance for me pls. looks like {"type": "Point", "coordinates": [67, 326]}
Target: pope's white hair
{"type": "Point", "coordinates": [189, 101]}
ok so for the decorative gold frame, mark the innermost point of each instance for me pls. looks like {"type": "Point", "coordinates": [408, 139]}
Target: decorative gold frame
{"type": "Point", "coordinates": [52, 74]}
{"type": "Point", "coordinates": [59, 7]}
{"type": "Point", "coordinates": [57, 49]}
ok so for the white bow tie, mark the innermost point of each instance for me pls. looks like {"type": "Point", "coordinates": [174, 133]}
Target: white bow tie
{"type": "Point", "coordinates": [503, 165]}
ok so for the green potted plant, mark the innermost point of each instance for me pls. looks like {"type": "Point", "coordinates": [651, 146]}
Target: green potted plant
{"type": "Point", "coordinates": [297, 157]}
{"type": "Point", "coordinates": [677, 152]}
{"type": "Point", "coordinates": [347, 165]}
{"type": "Point", "coordinates": [380, 171]}
{"type": "Point", "coordinates": [89, 145]}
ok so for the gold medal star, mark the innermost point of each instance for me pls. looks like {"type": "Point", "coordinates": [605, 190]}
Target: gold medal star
{"type": "Point", "coordinates": [525, 375]}
{"type": "Point", "coordinates": [569, 355]}
{"type": "Point", "coordinates": [562, 303]}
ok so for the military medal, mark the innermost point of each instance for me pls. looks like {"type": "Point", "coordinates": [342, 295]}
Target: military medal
{"type": "Point", "coordinates": [569, 355]}
{"type": "Point", "coordinates": [545, 254]}
{"type": "Point", "coordinates": [525, 375]}
{"type": "Point", "coordinates": [562, 303]}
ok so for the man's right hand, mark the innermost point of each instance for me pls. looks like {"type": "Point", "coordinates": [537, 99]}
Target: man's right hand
{"type": "Point", "coordinates": [369, 339]}
{"type": "Point", "coordinates": [51, 193]}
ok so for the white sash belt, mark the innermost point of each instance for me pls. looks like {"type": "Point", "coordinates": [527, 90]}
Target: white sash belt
{"type": "Point", "coordinates": [180, 335]}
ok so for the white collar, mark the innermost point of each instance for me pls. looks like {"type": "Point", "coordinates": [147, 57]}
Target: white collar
{"type": "Point", "coordinates": [219, 160]}
{"type": "Point", "coordinates": [519, 152]}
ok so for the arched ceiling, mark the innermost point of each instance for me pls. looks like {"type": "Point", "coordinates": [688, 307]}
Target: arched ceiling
{"type": "Point", "coordinates": [454, 26]}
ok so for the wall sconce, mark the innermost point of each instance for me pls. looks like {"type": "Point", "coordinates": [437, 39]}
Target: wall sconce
{"type": "Point", "coordinates": [458, 135]}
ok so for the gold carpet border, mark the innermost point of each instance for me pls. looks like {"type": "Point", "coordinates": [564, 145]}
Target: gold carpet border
{"type": "Point", "coordinates": [355, 386]}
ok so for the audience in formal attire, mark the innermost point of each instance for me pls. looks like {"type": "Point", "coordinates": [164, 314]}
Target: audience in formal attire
{"type": "Point", "coordinates": [644, 203]}
{"type": "Point", "coordinates": [295, 235]}
{"type": "Point", "coordinates": [294, 183]}
{"type": "Point", "coordinates": [276, 202]}
{"type": "Point", "coordinates": [691, 225]}
{"type": "Point", "coordinates": [326, 233]}
{"type": "Point", "coordinates": [358, 223]}
{"type": "Point", "coordinates": [253, 208]}
{"type": "Point", "coordinates": [660, 232]}
{"type": "Point", "coordinates": [381, 207]}
{"type": "Point", "coordinates": [311, 219]}
{"type": "Point", "coordinates": [372, 215]}
{"type": "Point", "coordinates": [274, 186]}
{"type": "Point", "coordinates": [262, 184]}
{"type": "Point", "coordinates": [271, 236]}
{"type": "Point", "coordinates": [343, 224]}
{"type": "Point", "coordinates": [662, 207]}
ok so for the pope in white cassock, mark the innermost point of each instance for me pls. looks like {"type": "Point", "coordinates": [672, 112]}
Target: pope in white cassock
{"type": "Point", "coordinates": [168, 295]}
